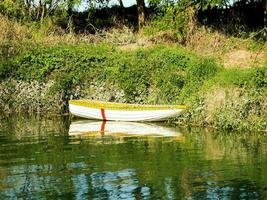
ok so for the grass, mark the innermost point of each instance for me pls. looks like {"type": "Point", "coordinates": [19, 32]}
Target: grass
{"type": "Point", "coordinates": [78, 67]}
{"type": "Point", "coordinates": [136, 73]}
{"type": "Point", "coordinates": [230, 99]}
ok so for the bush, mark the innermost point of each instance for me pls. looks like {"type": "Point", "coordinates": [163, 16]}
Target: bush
{"type": "Point", "coordinates": [175, 23]}
{"type": "Point", "coordinates": [158, 75]}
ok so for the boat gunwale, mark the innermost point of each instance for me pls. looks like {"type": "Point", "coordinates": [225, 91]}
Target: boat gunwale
{"type": "Point", "coordinates": [122, 106]}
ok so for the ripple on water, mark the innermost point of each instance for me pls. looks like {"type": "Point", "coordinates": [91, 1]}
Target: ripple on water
{"type": "Point", "coordinates": [43, 161]}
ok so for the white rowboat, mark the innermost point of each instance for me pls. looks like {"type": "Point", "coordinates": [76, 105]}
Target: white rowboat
{"type": "Point", "coordinates": [100, 110]}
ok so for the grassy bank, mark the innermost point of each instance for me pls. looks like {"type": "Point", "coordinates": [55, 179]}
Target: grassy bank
{"type": "Point", "coordinates": [223, 79]}
{"type": "Point", "coordinates": [45, 77]}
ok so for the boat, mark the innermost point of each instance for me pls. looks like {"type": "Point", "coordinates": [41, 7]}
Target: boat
{"type": "Point", "coordinates": [122, 129]}
{"type": "Point", "coordinates": [109, 111]}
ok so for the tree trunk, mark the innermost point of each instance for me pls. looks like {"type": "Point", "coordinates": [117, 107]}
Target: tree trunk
{"type": "Point", "coordinates": [141, 13]}
{"type": "Point", "coordinates": [70, 14]}
{"type": "Point", "coordinates": [28, 7]}
{"type": "Point", "coordinates": [43, 13]}
{"type": "Point", "coordinates": [122, 10]}
{"type": "Point", "coordinates": [265, 13]}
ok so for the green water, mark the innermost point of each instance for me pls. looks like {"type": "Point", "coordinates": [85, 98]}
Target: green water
{"type": "Point", "coordinates": [40, 160]}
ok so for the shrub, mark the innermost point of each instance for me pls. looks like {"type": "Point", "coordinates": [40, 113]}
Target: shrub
{"type": "Point", "coordinates": [159, 74]}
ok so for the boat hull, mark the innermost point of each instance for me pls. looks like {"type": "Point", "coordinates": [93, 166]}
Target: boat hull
{"type": "Point", "coordinates": [123, 115]}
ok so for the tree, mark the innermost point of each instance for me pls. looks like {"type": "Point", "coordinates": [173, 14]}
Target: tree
{"type": "Point", "coordinates": [122, 10]}
{"type": "Point", "coordinates": [30, 9]}
{"type": "Point", "coordinates": [140, 13]}
{"type": "Point", "coordinates": [265, 12]}
{"type": "Point", "coordinates": [13, 8]}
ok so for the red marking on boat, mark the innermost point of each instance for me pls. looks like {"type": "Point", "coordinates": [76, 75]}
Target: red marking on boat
{"type": "Point", "coordinates": [103, 127]}
{"type": "Point", "coordinates": [103, 114]}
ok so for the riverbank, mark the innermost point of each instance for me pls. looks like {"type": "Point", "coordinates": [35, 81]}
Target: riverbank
{"type": "Point", "coordinates": [223, 79]}
{"type": "Point", "coordinates": [44, 77]}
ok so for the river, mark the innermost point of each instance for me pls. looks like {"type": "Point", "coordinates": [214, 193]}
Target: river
{"type": "Point", "coordinates": [54, 157]}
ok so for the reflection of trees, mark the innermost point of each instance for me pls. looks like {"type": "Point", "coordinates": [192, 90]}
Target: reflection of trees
{"type": "Point", "coordinates": [245, 189]}
{"type": "Point", "coordinates": [3, 173]}
{"type": "Point", "coordinates": [55, 166]}
{"type": "Point", "coordinates": [114, 185]}
{"type": "Point", "coordinates": [26, 126]}
{"type": "Point", "coordinates": [233, 165]}
{"type": "Point", "coordinates": [205, 165]}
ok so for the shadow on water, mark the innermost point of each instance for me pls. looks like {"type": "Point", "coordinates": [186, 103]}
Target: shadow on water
{"type": "Point", "coordinates": [52, 157]}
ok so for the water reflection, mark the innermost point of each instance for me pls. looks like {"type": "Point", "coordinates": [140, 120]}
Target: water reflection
{"type": "Point", "coordinates": [96, 128]}
{"type": "Point", "coordinates": [117, 185]}
{"type": "Point", "coordinates": [48, 158]}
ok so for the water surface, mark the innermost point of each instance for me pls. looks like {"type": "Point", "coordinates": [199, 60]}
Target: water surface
{"type": "Point", "coordinates": [47, 158]}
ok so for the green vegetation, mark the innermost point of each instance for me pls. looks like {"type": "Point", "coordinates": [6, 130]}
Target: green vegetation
{"type": "Point", "coordinates": [171, 72]}
{"type": "Point", "coordinates": [231, 99]}
{"type": "Point", "coordinates": [179, 53]}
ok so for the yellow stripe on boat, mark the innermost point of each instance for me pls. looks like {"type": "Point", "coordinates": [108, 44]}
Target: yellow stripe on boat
{"type": "Point", "coordinates": [122, 106]}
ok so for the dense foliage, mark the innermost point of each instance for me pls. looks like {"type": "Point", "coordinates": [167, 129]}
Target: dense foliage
{"type": "Point", "coordinates": [226, 98]}
{"type": "Point", "coordinates": [86, 15]}
{"type": "Point", "coordinates": [50, 43]}
{"type": "Point", "coordinates": [172, 72]}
